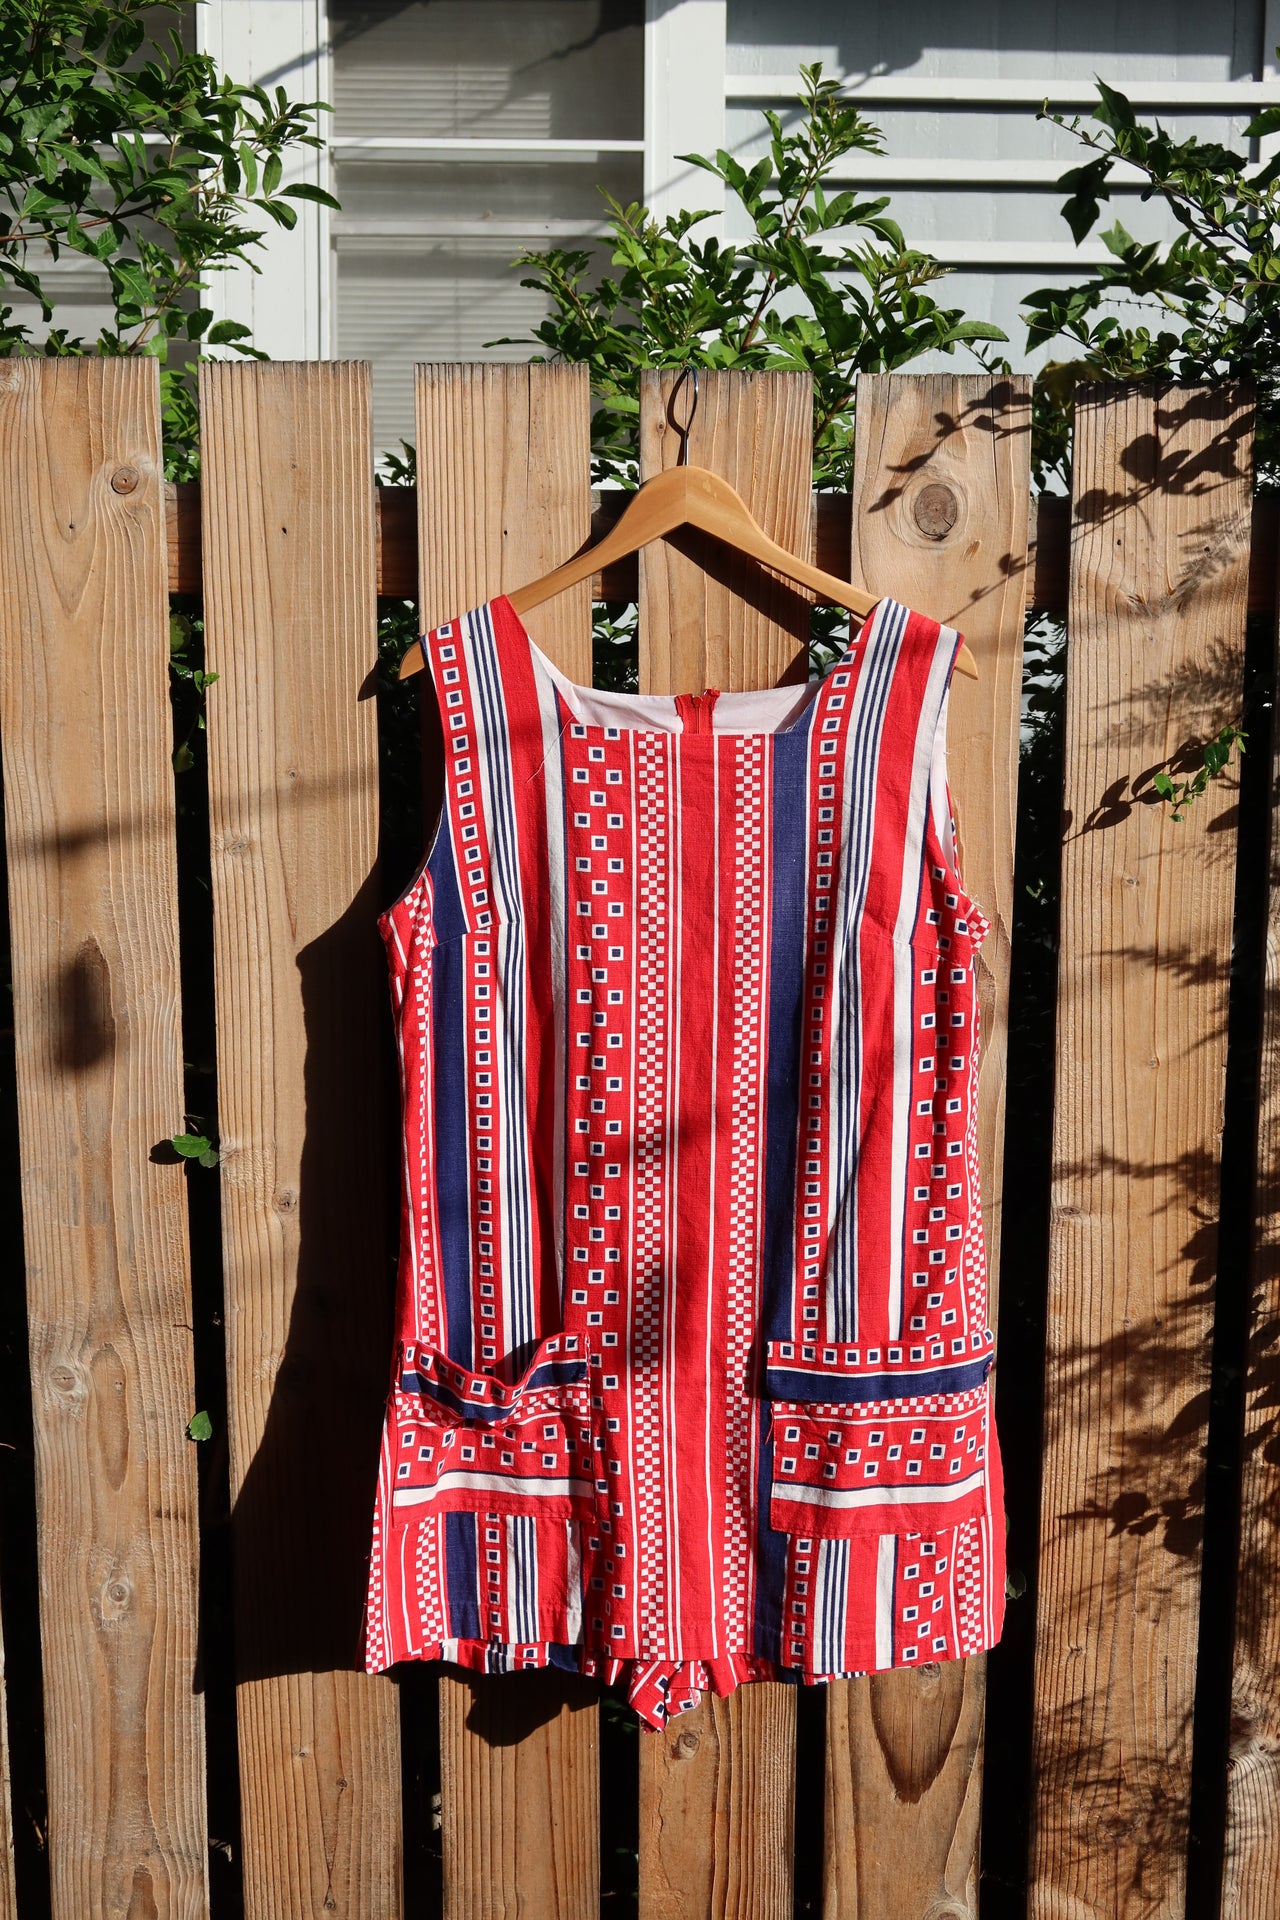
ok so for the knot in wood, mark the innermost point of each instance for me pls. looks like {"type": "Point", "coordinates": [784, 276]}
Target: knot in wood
{"type": "Point", "coordinates": [114, 1600]}
{"type": "Point", "coordinates": [686, 1746]}
{"type": "Point", "coordinates": [124, 480]}
{"type": "Point", "coordinates": [935, 510]}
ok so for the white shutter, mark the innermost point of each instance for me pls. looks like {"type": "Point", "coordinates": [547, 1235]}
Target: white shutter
{"type": "Point", "coordinates": [465, 130]}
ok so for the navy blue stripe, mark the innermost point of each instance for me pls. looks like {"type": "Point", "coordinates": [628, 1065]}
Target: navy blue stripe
{"type": "Point", "coordinates": [555, 1373]}
{"type": "Point", "coordinates": [788, 928]}
{"type": "Point", "coordinates": [509, 945]}
{"type": "Point", "coordinates": [788, 814]}
{"type": "Point", "coordinates": [460, 1574]}
{"type": "Point", "coordinates": [453, 1176]}
{"type": "Point", "coordinates": [863, 756]}
{"type": "Point", "coordinates": [790, 1383]}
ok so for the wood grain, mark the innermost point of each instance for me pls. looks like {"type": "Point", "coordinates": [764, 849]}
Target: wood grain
{"type": "Point", "coordinates": [1158, 571]}
{"type": "Point", "coordinates": [89, 805]}
{"type": "Point", "coordinates": [1251, 1866]}
{"type": "Point", "coordinates": [397, 517]}
{"type": "Point", "coordinates": [708, 617]}
{"type": "Point", "coordinates": [520, 1803]}
{"type": "Point", "coordinates": [301, 1026]}
{"type": "Point", "coordinates": [504, 495]}
{"type": "Point", "coordinates": [717, 1788]}
{"type": "Point", "coordinates": [717, 1809]}
{"type": "Point", "coordinates": [941, 488]}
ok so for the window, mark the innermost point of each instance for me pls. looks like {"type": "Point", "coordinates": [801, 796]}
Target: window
{"type": "Point", "coordinates": [463, 131]}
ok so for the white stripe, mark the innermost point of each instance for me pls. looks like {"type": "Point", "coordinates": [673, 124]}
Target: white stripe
{"type": "Point", "coordinates": [671, 1155]}
{"type": "Point", "coordinates": [836, 1500]}
{"type": "Point", "coordinates": [886, 1571]}
{"type": "Point", "coordinates": [553, 775]}
{"type": "Point", "coordinates": [469, 1482]}
{"type": "Point", "coordinates": [881, 648]}
{"type": "Point", "coordinates": [494, 770]}
{"type": "Point", "coordinates": [573, 1585]}
{"type": "Point", "coordinates": [904, 966]}
{"type": "Point", "coordinates": [714, 1585]}
{"type": "Point", "coordinates": [522, 1577]}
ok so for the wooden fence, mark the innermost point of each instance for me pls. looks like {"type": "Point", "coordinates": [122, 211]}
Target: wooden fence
{"type": "Point", "coordinates": [375, 1797]}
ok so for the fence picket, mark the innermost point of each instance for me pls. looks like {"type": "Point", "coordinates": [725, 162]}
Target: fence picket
{"type": "Point", "coordinates": [89, 813]}
{"type": "Point", "coordinates": [717, 1789]}
{"type": "Point", "coordinates": [1158, 580]}
{"type": "Point", "coordinates": [503, 495]}
{"type": "Point", "coordinates": [941, 489]}
{"type": "Point", "coordinates": [288, 541]}
{"type": "Point", "coordinates": [1251, 1870]}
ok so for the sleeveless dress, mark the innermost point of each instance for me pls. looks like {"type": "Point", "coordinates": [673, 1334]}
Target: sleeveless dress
{"type": "Point", "coordinates": [691, 1376]}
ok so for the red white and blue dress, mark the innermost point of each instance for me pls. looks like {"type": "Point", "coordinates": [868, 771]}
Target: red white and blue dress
{"type": "Point", "coordinates": [690, 1384]}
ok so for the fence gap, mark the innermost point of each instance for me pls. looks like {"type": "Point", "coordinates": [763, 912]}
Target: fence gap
{"type": "Point", "coordinates": [504, 495]}
{"type": "Point", "coordinates": [26, 1890]}
{"type": "Point", "coordinates": [1019, 1378]}
{"type": "Point", "coordinates": [89, 814]}
{"type": "Point", "coordinates": [1160, 488]}
{"type": "Point", "coordinates": [288, 539]}
{"type": "Point", "coordinates": [1214, 1736]}
{"type": "Point", "coordinates": [215, 1667]}
{"type": "Point", "coordinates": [1251, 1864]}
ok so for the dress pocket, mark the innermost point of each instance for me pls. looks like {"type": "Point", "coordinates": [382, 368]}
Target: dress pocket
{"type": "Point", "coordinates": [860, 1451]}
{"type": "Point", "coordinates": [467, 1443]}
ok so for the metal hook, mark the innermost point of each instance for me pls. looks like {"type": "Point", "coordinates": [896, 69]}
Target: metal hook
{"type": "Point", "coordinates": [683, 431]}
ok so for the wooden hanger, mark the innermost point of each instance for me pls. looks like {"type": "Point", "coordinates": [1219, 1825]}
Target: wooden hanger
{"type": "Point", "coordinates": [685, 496]}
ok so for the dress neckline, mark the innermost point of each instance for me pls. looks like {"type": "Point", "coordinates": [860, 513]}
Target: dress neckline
{"type": "Point", "coordinates": [804, 698]}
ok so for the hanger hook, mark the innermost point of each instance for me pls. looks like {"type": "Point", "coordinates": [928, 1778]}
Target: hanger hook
{"type": "Point", "coordinates": [682, 459]}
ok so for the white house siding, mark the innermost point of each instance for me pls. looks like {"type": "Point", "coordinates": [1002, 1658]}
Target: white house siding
{"type": "Point", "coordinates": [971, 178]}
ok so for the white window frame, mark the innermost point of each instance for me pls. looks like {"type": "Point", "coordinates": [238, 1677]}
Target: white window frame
{"type": "Point", "coordinates": [288, 304]}
{"type": "Point", "coordinates": [684, 106]}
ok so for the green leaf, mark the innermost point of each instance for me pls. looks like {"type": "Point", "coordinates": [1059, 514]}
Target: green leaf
{"type": "Point", "coordinates": [1116, 111]}
{"type": "Point", "coordinates": [1117, 240]}
{"type": "Point", "coordinates": [305, 191]}
{"type": "Point", "coordinates": [224, 331]}
{"type": "Point", "coordinates": [200, 1427]}
{"type": "Point", "coordinates": [183, 761]}
{"type": "Point", "coordinates": [191, 1145]}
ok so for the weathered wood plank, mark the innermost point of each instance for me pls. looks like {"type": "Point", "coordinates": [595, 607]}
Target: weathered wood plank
{"type": "Point", "coordinates": [717, 1809]}
{"type": "Point", "coordinates": [84, 711]}
{"type": "Point", "coordinates": [1251, 1868]}
{"type": "Point", "coordinates": [504, 495]}
{"type": "Point", "coordinates": [503, 463]}
{"type": "Point", "coordinates": [717, 1787]}
{"type": "Point", "coordinates": [1159, 558]}
{"type": "Point", "coordinates": [300, 984]}
{"type": "Point", "coordinates": [941, 486]}
{"type": "Point", "coordinates": [707, 616]}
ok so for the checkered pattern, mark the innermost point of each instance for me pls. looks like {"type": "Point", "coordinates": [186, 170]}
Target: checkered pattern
{"type": "Point", "coordinates": [691, 1382]}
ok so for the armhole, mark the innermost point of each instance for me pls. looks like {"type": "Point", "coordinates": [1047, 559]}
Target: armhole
{"type": "Point", "coordinates": [436, 747]}
{"type": "Point", "coordinates": [943, 833]}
